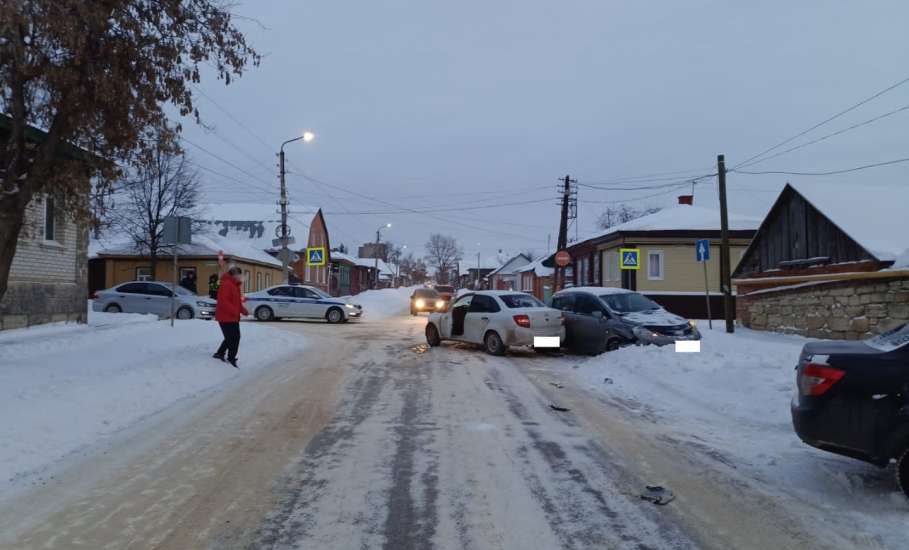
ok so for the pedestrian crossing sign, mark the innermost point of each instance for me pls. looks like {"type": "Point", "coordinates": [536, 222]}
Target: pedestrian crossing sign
{"type": "Point", "coordinates": [315, 256]}
{"type": "Point", "coordinates": [631, 258]}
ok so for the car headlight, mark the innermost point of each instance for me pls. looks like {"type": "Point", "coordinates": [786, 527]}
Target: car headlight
{"type": "Point", "coordinates": [420, 303]}
{"type": "Point", "coordinates": [204, 304]}
{"type": "Point", "coordinates": [440, 304]}
{"type": "Point", "coordinates": [351, 306]}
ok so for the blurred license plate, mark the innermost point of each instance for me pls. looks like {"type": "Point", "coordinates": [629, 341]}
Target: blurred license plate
{"type": "Point", "coordinates": [687, 346]}
{"type": "Point", "coordinates": [545, 341]}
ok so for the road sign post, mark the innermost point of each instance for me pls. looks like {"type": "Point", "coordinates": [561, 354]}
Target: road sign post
{"type": "Point", "coordinates": [702, 253]}
{"type": "Point", "coordinates": [177, 231]}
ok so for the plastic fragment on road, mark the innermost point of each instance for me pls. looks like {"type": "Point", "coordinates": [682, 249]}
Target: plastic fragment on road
{"type": "Point", "coordinates": [559, 408]}
{"type": "Point", "coordinates": [657, 494]}
{"type": "Point", "coordinates": [556, 384]}
{"type": "Point", "coordinates": [607, 380]}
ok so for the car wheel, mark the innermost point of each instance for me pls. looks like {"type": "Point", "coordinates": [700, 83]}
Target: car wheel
{"type": "Point", "coordinates": [113, 308]}
{"type": "Point", "coordinates": [264, 313]}
{"type": "Point", "coordinates": [902, 471]}
{"type": "Point", "coordinates": [184, 313]}
{"type": "Point", "coordinates": [494, 344]}
{"type": "Point", "coordinates": [612, 344]}
{"type": "Point", "coordinates": [432, 335]}
{"type": "Point", "coordinates": [334, 315]}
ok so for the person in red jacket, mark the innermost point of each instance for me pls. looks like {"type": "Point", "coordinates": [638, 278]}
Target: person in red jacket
{"type": "Point", "coordinates": [227, 313]}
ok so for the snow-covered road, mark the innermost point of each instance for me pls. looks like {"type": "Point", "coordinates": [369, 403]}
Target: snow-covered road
{"type": "Point", "coordinates": [368, 439]}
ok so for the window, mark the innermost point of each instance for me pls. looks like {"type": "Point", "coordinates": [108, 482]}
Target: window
{"type": "Point", "coordinates": [246, 281]}
{"type": "Point", "coordinates": [483, 304]}
{"type": "Point", "coordinates": [611, 265]}
{"type": "Point", "coordinates": [628, 302]}
{"type": "Point", "coordinates": [280, 291]}
{"type": "Point", "coordinates": [258, 280]}
{"type": "Point", "coordinates": [267, 280]}
{"type": "Point", "coordinates": [565, 302]}
{"type": "Point", "coordinates": [517, 301]}
{"type": "Point", "coordinates": [595, 259]}
{"type": "Point", "coordinates": [586, 305]}
{"type": "Point", "coordinates": [655, 265]}
{"type": "Point", "coordinates": [50, 229]}
{"type": "Point", "coordinates": [301, 292]}
{"type": "Point", "coordinates": [425, 293]}
{"type": "Point", "coordinates": [132, 288]}
{"type": "Point", "coordinates": [143, 274]}
{"type": "Point", "coordinates": [463, 301]}
{"type": "Point", "coordinates": [157, 290]}
{"type": "Point", "coordinates": [582, 271]}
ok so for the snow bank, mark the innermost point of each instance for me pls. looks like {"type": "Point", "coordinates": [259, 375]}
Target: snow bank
{"type": "Point", "coordinates": [731, 401]}
{"type": "Point", "coordinates": [384, 302]}
{"type": "Point", "coordinates": [64, 387]}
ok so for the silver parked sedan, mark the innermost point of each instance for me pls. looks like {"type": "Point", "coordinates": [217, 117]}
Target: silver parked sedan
{"type": "Point", "coordinates": [152, 297]}
{"type": "Point", "coordinates": [496, 319]}
{"type": "Point", "coordinates": [300, 301]}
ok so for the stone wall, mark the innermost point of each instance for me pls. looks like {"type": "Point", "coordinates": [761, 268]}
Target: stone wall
{"type": "Point", "coordinates": [48, 279]}
{"type": "Point", "coordinates": [845, 310]}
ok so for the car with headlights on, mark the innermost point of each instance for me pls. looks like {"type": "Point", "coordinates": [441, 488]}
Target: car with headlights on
{"type": "Point", "coordinates": [300, 302]}
{"type": "Point", "coordinates": [851, 399]}
{"type": "Point", "coordinates": [601, 319]}
{"type": "Point", "coordinates": [497, 320]}
{"type": "Point", "coordinates": [426, 299]}
{"type": "Point", "coordinates": [153, 297]}
{"type": "Point", "coordinates": [446, 292]}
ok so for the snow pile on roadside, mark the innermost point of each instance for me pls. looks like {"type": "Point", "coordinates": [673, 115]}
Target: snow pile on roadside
{"type": "Point", "coordinates": [384, 302]}
{"type": "Point", "coordinates": [731, 402]}
{"type": "Point", "coordinates": [64, 387]}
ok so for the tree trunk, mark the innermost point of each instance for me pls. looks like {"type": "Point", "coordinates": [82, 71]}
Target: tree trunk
{"type": "Point", "coordinates": [153, 265]}
{"type": "Point", "coordinates": [11, 220]}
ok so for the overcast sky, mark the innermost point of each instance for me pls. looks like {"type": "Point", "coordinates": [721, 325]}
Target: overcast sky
{"type": "Point", "coordinates": [424, 104]}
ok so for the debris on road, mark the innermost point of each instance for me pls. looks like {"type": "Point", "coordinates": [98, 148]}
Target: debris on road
{"type": "Point", "coordinates": [556, 384]}
{"type": "Point", "coordinates": [658, 495]}
{"type": "Point", "coordinates": [607, 380]}
{"type": "Point", "coordinates": [559, 408]}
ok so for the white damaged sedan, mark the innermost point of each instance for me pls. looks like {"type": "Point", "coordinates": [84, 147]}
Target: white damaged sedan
{"type": "Point", "coordinates": [497, 319]}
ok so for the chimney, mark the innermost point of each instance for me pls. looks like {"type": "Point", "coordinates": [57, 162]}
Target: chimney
{"type": "Point", "coordinates": [686, 199]}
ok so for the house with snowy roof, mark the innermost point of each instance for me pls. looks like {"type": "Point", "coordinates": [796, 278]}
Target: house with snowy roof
{"type": "Point", "coordinates": [828, 261]}
{"type": "Point", "coordinates": [505, 277]}
{"type": "Point", "coordinates": [668, 271]}
{"type": "Point", "coordinates": [537, 279]}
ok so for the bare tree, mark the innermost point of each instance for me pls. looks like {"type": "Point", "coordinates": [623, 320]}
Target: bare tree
{"type": "Point", "coordinates": [442, 253]}
{"type": "Point", "coordinates": [616, 215]}
{"type": "Point", "coordinates": [164, 186]}
{"type": "Point", "coordinates": [413, 269]}
{"type": "Point", "coordinates": [99, 76]}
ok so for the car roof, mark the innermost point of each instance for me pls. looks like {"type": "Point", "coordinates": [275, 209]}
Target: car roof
{"type": "Point", "coordinates": [598, 290]}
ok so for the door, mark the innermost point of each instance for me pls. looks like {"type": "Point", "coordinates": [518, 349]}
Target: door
{"type": "Point", "coordinates": [308, 303]}
{"type": "Point", "coordinates": [157, 299]}
{"type": "Point", "coordinates": [565, 303]}
{"type": "Point", "coordinates": [281, 301]}
{"type": "Point", "coordinates": [456, 316]}
{"type": "Point", "coordinates": [131, 297]}
{"type": "Point", "coordinates": [479, 314]}
{"type": "Point", "coordinates": [344, 275]}
{"type": "Point", "coordinates": [590, 322]}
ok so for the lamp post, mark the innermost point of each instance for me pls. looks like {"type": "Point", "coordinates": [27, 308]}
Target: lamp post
{"type": "Point", "coordinates": [397, 281]}
{"type": "Point", "coordinates": [477, 284]}
{"type": "Point", "coordinates": [375, 252]}
{"type": "Point", "coordinates": [285, 253]}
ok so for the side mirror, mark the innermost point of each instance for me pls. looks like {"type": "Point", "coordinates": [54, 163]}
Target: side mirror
{"type": "Point", "coordinates": [598, 314]}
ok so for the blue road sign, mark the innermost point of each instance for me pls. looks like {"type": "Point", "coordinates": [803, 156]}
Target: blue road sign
{"type": "Point", "coordinates": [315, 255]}
{"type": "Point", "coordinates": [630, 258]}
{"type": "Point", "coordinates": [702, 250]}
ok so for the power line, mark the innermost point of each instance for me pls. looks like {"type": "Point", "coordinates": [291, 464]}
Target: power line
{"type": "Point", "coordinates": [828, 136]}
{"type": "Point", "coordinates": [674, 183]}
{"type": "Point", "coordinates": [682, 175]}
{"type": "Point", "coordinates": [452, 209]}
{"type": "Point", "coordinates": [233, 118]}
{"type": "Point", "coordinates": [827, 173]}
{"type": "Point", "coordinates": [660, 194]}
{"type": "Point", "coordinates": [825, 121]}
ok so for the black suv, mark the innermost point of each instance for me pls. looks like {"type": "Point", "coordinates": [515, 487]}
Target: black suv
{"type": "Point", "coordinates": [852, 399]}
{"type": "Point", "coordinates": [599, 319]}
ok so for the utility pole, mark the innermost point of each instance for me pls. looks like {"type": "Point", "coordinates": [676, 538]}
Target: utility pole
{"type": "Point", "coordinates": [285, 253]}
{"type": "Point", "coordinates": [725, 272]}
{"type": "Point", "coordinates": [563, 229]}
{"type": "Point", "coordinates": [375, 254]}
{"type": "Point", "coordinates": [477, 285]}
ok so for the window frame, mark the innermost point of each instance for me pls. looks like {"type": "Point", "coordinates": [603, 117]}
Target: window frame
{"type": "Point", "coordinates": [143, 278]}
{"type": "Point", "coordinates": [49, 201]}
{"type": "Point", "coordinates": [488, 303]}
{"type": "Point", "coordinates": [662, 264]}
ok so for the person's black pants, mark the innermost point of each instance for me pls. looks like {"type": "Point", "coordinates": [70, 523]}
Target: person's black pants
{"type": "Point", "coordinates": [231, 343]}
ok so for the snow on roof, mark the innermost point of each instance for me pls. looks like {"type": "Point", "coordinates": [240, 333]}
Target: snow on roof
{"type": "Point", "coordinates": [203, 244]}
{"type": "Point", "coordinates": [537, 267]}
{"type": "Point", "coordinates": [874, 215]}
{"type": "Point", "coordinates": [501, 270]}
{"type": "Point", "coordinates": [680, 218]}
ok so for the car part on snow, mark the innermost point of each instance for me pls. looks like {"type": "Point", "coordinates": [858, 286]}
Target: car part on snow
{"type": "Point", "coordinates": [556, 384]}
{"type": "Point", "coordinates": [559, 408]}
{"type": "Point", "coordinates": [657, 494]}
{"type": "Point", "coordinates": [607, 380]}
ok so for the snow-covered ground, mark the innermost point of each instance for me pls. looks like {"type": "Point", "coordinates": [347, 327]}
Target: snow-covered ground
{"type": "Point", "coordinates": [65, 387]}
{"type": "Point", "coordinates": [731, 400]}
{"type": "Point", "coordinates": [383, 303]}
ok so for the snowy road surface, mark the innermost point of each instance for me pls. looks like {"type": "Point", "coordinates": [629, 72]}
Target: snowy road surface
{"type": "Point", "coordinates": [370, 440]}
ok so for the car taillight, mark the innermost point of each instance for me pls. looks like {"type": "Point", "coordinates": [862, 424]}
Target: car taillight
{"type": "Point", "coordinates": [522, 321]}
{"type": "Point", "coordinates": [816, 378]}
{"type": "Point", "coordinates": [562, 319]}
{"type": "Point", "coordinates": [94, 296]}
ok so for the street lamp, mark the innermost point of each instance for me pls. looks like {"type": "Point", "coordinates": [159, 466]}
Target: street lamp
{"type": "Point", "coordinates": [375, 252]}
{"type": "Point", "coordinates": [306, 136]}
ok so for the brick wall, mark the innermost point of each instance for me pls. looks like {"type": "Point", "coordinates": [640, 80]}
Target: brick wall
{"type": "Point", "coordinates": [845, 310]}
{"type": "Point", "coordinates": [48, 279]}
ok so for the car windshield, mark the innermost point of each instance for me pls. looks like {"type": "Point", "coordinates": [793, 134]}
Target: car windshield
{"type": "Point", "coordinates": [628, 302]}
{"type": "Point", "coordinates": [892, 339]}
{"type": "Point", "coordinates": [320, 292]}
{"type": "Point", "coordinates": [442, 288]}
{"type": "Point", "coordinates": [425, 293]}
{"type": "Point", "coordinates": [517, 301]}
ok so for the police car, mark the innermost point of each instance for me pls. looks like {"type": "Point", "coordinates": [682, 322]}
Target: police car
{"type": "Point", "coordinates": [299, 301]}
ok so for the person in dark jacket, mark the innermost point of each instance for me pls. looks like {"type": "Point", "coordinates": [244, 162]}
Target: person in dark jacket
{"type": "Point", "coordinates": [213, 285]}
{"type": "Point", "coordinates": [189, 282]}
{"type": "Point", "coordinates": [227, 313]}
